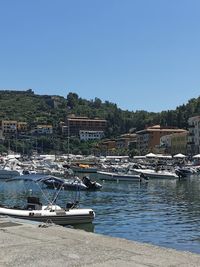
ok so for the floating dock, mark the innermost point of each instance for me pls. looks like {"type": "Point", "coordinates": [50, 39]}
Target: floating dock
{"type": "Point", "coordinates": [33, 244]}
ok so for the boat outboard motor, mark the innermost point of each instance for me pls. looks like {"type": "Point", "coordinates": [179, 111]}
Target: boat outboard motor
{"type": "Point", "coordinates": [86, 180]}
{"type": "Point", "coordinates": [180, 174]}
{"type": "Point", "coordinates": [143, 177]}
{"type": "Point", "coordinates": [91, 185]}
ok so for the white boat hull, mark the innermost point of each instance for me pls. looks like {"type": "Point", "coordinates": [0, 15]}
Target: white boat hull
{"type": "Point", "coordinates": [112, 176]}
{"type": "Point", "coordinates": [151, 174]}
{"type": "Point", "coordinates": [57, 216]}
{"type": "Point", "coordinates": [83, 170]}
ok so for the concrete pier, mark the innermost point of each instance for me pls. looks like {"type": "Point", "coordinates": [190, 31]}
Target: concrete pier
{"type": "Point", "coordinates": [33, 244]}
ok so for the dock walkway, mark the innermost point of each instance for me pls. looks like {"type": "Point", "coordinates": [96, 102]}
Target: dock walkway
{"type": "Point", "coordinates": [33, 244]}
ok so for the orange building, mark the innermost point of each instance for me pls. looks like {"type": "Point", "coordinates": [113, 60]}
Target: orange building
{"type": "Point", "coordinates": [107, 147]}
{"type": "Point", "coordinates": [77, 124]}
{"type": "Point", "coordinates": [149, 138]}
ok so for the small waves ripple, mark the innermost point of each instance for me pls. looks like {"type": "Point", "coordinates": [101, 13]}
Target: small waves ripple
{"type": "Point", "coordinates": [165, 213]}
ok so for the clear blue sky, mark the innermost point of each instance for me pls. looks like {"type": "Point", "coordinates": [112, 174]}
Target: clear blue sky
{"type": "Point", "coordinates": [139, 54]}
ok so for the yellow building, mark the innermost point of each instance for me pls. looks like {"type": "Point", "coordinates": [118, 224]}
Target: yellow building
{"type": "Point", "coordinates": [179, 143]}
{"type": "Point", "coordinates": [22, 127]}
{"type": "Point", "coordinates": [148, 140]}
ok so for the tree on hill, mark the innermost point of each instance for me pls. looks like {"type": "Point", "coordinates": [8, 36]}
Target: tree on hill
{"type": "Point", "coordinates": [34, 109]}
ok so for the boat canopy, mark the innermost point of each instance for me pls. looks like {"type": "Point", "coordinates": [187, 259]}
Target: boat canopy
{"type": "Point", "coordinates": [34, 178]}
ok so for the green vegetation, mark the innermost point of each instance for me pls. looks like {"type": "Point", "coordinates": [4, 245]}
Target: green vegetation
{"type": "Point", "coordinates": [44, 109]}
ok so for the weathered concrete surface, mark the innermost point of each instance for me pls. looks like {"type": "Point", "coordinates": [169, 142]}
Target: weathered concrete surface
{"type": "Point", "coordinates": [31, 245]}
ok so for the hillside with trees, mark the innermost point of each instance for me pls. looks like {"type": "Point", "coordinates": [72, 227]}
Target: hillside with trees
{"type": "Point", "coordinates": [44, 109]}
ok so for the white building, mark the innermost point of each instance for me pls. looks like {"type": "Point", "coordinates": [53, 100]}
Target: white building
{"type": "Point", "coordinates": [44, 129]}
{"type": "Point", "coordinates": [194, 135]}
{"type": "Point", "coordinates": [166, 140]}
{"type": "Point", "coordinates": [90, 135]}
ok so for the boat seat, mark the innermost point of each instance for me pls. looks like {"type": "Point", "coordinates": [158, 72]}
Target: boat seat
{"type": "Point", "coordinates": [33, 203]}
{"type": "Point", "coordinates": [71, 205]}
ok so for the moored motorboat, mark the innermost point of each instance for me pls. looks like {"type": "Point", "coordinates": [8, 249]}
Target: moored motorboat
{"type": "Point", "coordinates": [156, 174]}
{"type": "Point", "coordinates": [67, 184]}
{"type": "Point", "coordinates": [91, 185]}
{"type": "Point", "coordinates": [75, 183]}
{"type": "Point", "coordinates": [185, 172]}
{"type": "Point", "coordinates": [83, 168]}
{"type": "Point", "coordinates": [116, 176]}
{"type": "Point", "coordinates": [51, 212]}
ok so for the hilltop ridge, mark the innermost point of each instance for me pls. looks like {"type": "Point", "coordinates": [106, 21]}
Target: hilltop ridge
{"type": "Point", "coordinates": [33, 108]}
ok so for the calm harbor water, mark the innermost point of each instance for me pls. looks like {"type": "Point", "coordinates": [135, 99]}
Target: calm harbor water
{"type": "Point", "coordinates": [164, 213]}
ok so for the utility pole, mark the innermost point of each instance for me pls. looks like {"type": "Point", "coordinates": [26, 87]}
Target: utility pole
{"type": "Point", "coordinates": [16, 143]}
{"type": "Point", "coordinates": [23, 145]}
{"type": "Point", "coordinates": [8, 145]}
{"type": "Point", "coordinates": [36, 145]}
{"type": "Point", "coordinates": [68, 133]}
